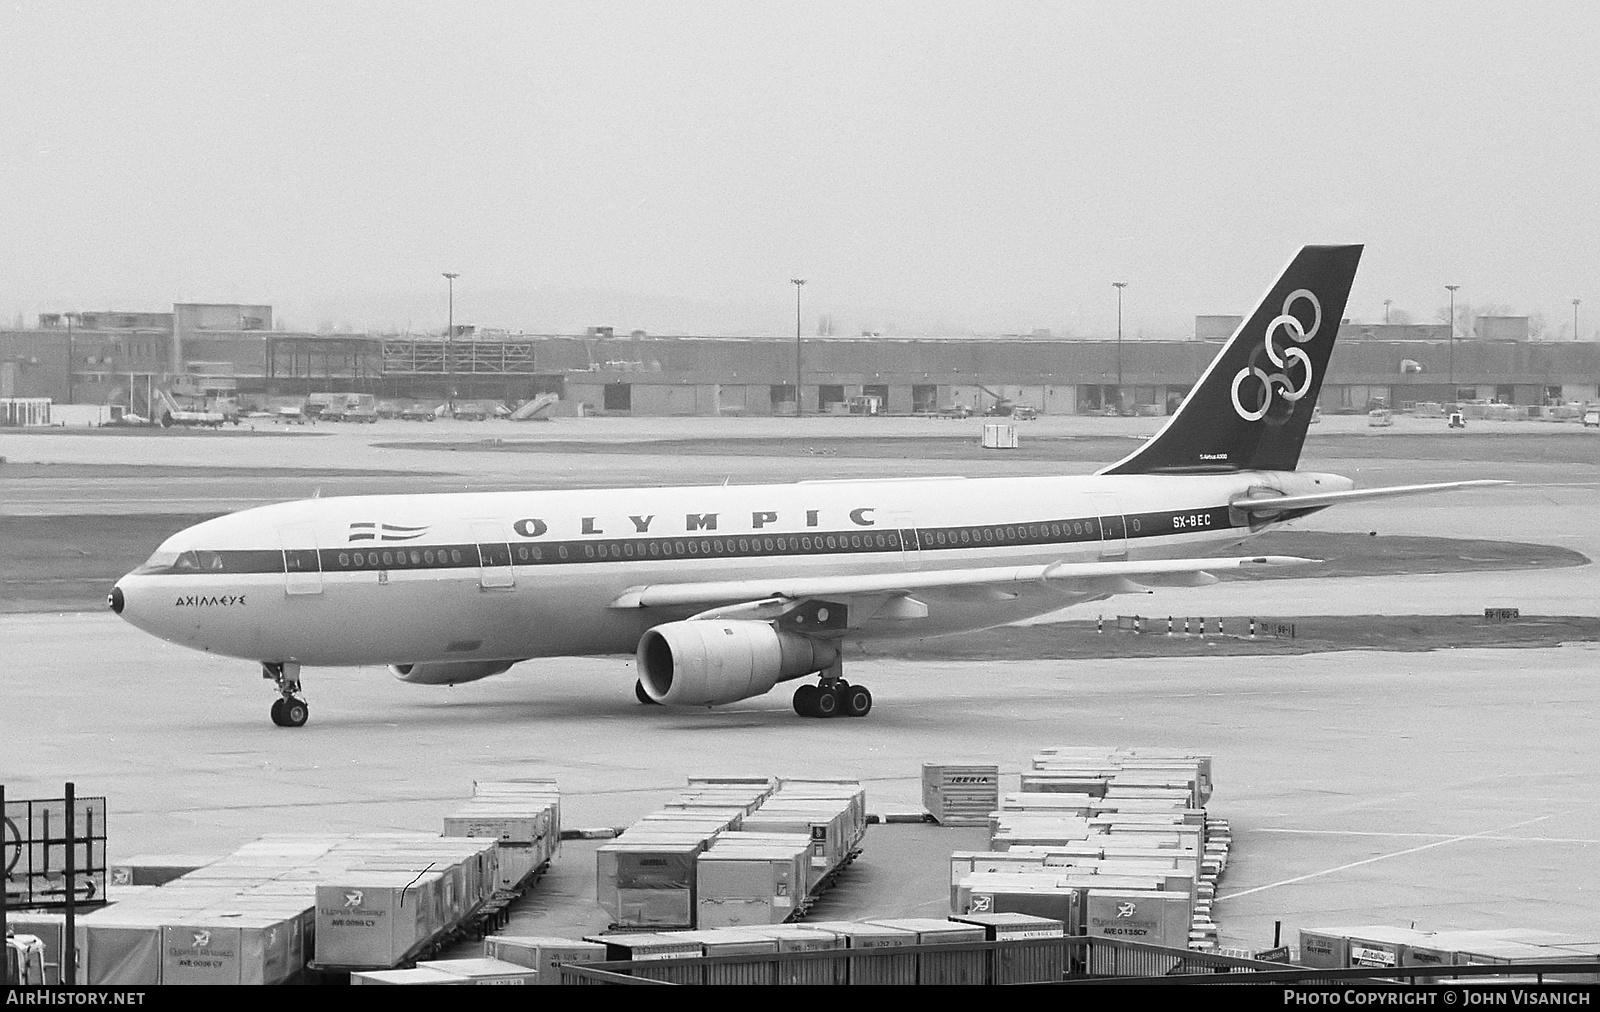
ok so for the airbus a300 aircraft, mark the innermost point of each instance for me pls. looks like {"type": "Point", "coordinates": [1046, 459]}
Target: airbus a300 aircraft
{"type": "Point", "coordinates": [723, 592]}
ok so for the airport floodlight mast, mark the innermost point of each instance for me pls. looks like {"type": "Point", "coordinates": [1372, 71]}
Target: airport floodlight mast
{"type": "Point", "coordinates": [798, 283]}
{"type": "Point", "coordinates": [1119, 286]}
{"type": "Point", "coordinates": [1574, 319]}
{"type": "Point", "coordinates": [1452, 290]}
{"type": "Point", "coordinates": [1386, 303]}
{"type": "Point", "coordinates": [449, 346]}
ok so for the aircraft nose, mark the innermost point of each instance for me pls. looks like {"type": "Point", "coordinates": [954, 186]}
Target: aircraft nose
{"type": "Point", "coordinates": [115, 599]}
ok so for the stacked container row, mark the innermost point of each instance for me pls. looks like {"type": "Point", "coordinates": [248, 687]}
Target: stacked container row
{"type": "Point", "coordinates": [260, 914]}
{"type": "Point", "coordinates": [523, 815]}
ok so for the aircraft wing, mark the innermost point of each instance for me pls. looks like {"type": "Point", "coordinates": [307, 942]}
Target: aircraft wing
{"type": "Point", "coordinates": [1066, 575]}
{"type": "Point", "coordinates": [1267, 505]}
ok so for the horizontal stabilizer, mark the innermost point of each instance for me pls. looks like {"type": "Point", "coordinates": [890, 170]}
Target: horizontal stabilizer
{"type": "Point", "coordinates": [1267, 505]}
{"type": "Point", "coordinates": [668, 595]}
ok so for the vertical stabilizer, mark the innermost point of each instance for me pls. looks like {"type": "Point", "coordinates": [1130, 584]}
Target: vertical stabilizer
{"type": "Point", "coordinates": [1251, 407]}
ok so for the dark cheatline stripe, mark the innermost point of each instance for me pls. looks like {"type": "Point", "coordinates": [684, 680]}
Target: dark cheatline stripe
{"type": "Point", "coordinates": [362, 557]}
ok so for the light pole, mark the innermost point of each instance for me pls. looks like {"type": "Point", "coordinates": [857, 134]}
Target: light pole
{"type": "Point", "coordinates": [449, 347]}
{"type": "Point", "coordinates": [1386, 311]}
{"type": "Point", "coordinates": [1574, 319]}
{"type": "Point", "coordinates": [798, 284]}
{"type": "Point", "coordinates": [1119, 286]}
{"type": "Point", "coordinates": [1452, 290]}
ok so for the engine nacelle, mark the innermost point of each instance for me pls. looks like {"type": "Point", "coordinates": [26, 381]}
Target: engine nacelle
{"type": "Point", "coordinates": [699, 663]}
{"type": "Point", "coordinates": [447, 672]}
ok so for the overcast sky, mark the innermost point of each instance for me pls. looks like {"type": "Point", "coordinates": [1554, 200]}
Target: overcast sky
{"type": "Point", "coordinates": [982, 167]}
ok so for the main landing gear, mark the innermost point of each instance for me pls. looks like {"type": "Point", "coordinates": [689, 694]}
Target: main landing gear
{"type": "Point", "coordinates": [833, 697]}
{"type": "Point", "coordinates": [289, 710]}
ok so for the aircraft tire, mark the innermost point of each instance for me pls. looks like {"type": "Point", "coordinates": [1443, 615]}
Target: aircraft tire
{"type": "Point", "coordinates": [857, 701]}
{"type": "Point", "coordinates": [295, 712]}
{"type": "Point", "coordinates": [827, 704]}
{"type": "Point", "coordinates": [805, 700]}
{"type": "Point", "coordinates": [277, 711]}
{"type": "Point", "coordinates": [644, 697]}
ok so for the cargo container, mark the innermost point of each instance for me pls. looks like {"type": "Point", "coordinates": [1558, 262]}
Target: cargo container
{"type": "Point", "coordinates": [1035, 895]}
{"type": "Point", "coordinates": [1044, 963]}
{"type": "Point", "coordinates": [1137, 915]}
{"type": "Point", "coordinates": [653, 947]}
{"type": "Point", "coordinates": [960, 794]}
{"type": "Point", "coordinates": [729, 941]}
{"type": "Point", "coordinates": [893, 969]}
{"type": "Point", "coordinates": [155, 869]}
{"type": "Point", "coordinates": [758, 882]}
{"type": "Point", "coordinates": [542, 954]}
{"type": "Point", "coordinates": [416, 975]}
{"type": "Point", "coordinates": [1377, 945]}
{"type": "Point", "coordinates": [375, 919]}
{"type": "Point", "coordinates": [969, 966]}
{"type": "Point", "coordinates": [644, 884]}
{"type": "Point", "coordinates": [1325, 948]}
{"type": "Point", "coordinates": [482, 970]}
{"type": "Point", "coordinates": [1079, 805]}
{"type": "Point", "coordinates": [807, 938]}
{"type": "Point", "coordinates": [230, 947]}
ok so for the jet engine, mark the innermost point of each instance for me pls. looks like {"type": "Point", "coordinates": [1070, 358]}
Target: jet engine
{"type": "Point", "coordinates": [447, 672]}
{"type": "Point", "coordinates": [702, 662]}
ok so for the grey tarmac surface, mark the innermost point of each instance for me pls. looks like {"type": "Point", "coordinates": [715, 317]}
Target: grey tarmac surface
{"type": "Point", "coordinates": [1453, 789]}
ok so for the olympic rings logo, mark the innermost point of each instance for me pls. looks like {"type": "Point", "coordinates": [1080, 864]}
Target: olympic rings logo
{"type": "Point", "coordinates": [1278, 382]}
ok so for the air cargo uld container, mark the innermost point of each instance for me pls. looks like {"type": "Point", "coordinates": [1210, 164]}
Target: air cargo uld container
{"type": "Point", "coordinates": [849, 791]}
{"type": "Point", "coordinates": [886, 966]}
{"type": "Point", "coordinates": [1138, 916]}
{"type": "Point", "coordinates": [648, 885]}
{"type": "Point", "coordinates": [968, 966]}
{"type": "Point", "coordinates": [119, 947]}
{"type": "Point", "coordinates": [824, 826]}
{"type": "Point", "coordinates": [666, 948]}
{"type": "Point", "coordinates": [542, 954]}
{"type": "Point", "coordinates": [229, 948]}
{"type": "Point", "coordinates": [1036, 895]}
{"type": "Point", "coordinates": [1079, 805]}
{"type": "Point", "coordinates": [482, 970]}
{"type": "Point", "coordinates": [1380, 945]}
{"type": "Point", "coordinates": [965, 862]}
{"type": "Point", "coordinates": [750, 883]}
{"type": "Point", "coordinates": [1017, 963]}
{"type": "Point", "coordinates": [807, 938]}
{"type": "Point", "coordinates": [733, 941]}
{"type": "Point", "coordinates": [375, 919]}
{"type": "Point", "coordinates": [960, 794]}
{"type": "Point", "coordinates": [1082, 783]}
{"type": "Point", "coordinates": [155, 869]}
{"type": "Point", "coordinates": [415, 975]}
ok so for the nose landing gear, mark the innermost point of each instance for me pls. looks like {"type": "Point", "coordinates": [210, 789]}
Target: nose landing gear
{"type": "Point", "coordinates": [289, 710]}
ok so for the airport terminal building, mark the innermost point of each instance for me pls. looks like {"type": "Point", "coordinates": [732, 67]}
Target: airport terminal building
{"type": "Point", "coordinates": [232, 351]}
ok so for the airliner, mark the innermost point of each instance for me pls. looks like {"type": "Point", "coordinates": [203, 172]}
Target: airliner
{"type": "Point", "coordinates": [722, 592]}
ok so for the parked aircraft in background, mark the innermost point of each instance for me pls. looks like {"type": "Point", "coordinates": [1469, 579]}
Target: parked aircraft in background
{"type": "Point", "coordinates": [722, 592]}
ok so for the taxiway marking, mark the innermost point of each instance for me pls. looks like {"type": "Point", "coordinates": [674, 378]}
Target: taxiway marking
{"type": "Point", "coordinates": [1385, 857]}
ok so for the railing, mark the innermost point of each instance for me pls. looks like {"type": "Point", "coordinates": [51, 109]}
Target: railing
{"type": "Point", "coordinates": [1069, 960]}
{"type": "Point", "coordinates": [1020, 961]}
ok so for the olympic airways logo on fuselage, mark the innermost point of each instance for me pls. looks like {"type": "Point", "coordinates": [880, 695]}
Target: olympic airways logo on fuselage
{"type": "Point", "coordinates": [1278, 383]}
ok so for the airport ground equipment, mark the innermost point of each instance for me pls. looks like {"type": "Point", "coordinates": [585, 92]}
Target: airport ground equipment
{"type": "Point", "coordinates": [960, 794]}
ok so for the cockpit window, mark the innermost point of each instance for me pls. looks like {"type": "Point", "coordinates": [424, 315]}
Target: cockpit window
{"type": "Point", "coordinates": [161, 562]}
{"type": "Point", "coordinates": [192, 561]}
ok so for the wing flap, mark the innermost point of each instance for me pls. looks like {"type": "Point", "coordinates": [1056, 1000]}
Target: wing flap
{"type": "Point", "coordinates": [667, 595]}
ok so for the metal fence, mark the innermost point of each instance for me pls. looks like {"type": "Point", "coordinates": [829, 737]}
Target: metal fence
{"type": "Point", "coordinates": [1068, 960]}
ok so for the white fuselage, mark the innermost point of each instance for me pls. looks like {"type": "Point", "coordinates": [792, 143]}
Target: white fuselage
{"type": "Point", "coordinates": [510, 575]}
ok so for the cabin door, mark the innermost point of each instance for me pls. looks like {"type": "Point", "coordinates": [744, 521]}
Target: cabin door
{"type": "Point", "coordinates": [302, 565]}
